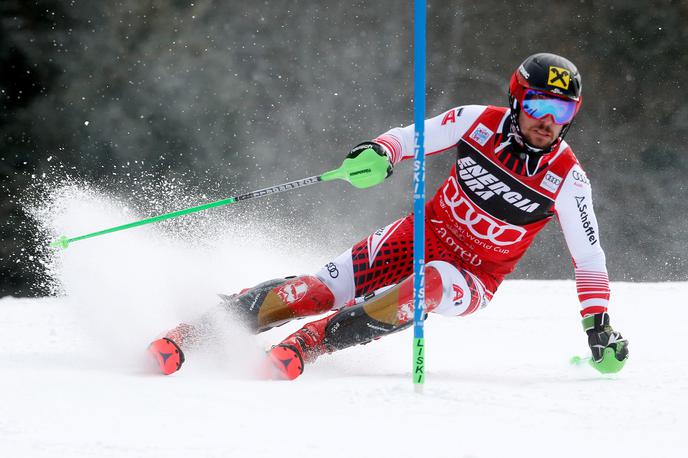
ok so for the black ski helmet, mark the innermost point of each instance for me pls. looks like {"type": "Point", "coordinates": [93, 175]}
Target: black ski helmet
{"type": "Point", "coordinates": [549, 73]}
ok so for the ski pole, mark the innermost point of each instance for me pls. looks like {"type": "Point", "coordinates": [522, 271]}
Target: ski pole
{"type": "Point", "coordinates": [366, 170]}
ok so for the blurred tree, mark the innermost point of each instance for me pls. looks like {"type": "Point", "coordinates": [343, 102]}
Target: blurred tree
{"type": "Point", "coordinates": [243, 94]}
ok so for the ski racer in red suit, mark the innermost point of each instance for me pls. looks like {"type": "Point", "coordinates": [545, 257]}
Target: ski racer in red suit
{"type": "Point", "coordinates": [513, 173]}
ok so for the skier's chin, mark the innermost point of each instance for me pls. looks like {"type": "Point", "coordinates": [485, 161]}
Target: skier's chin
{"type": "Point", "coordinates": [539, 140]}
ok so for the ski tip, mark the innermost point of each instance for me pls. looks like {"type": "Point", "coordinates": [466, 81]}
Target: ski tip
{"type": "Point", "coordinates": [283, 362]}
{"type": "Point", "coordinates": [167, 354]}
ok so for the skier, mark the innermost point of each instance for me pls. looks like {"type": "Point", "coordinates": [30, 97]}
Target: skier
{"type": "Point", "coordinates": [512, 174]}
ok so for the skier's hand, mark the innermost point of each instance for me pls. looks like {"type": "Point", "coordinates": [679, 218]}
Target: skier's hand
{"type": "Point", "coordinates": [601, 337]}
{"type": "Point", "coordinates": [385, 168]}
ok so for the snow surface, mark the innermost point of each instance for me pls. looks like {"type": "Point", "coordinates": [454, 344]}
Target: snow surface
{"type": "Point", "coordinates": [74, 381]}
{"type": "Point", "coordinates": [498, 385]}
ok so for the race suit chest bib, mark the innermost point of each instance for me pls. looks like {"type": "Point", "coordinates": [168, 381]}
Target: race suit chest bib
{"type": "Point", "coordinates": [496, 192]}
{"type": "Point", "coordinates": [488, 210]}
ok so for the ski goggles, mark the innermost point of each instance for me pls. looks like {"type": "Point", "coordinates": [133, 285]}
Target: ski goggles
{"type": "Point", "coordinates": [538, 104]}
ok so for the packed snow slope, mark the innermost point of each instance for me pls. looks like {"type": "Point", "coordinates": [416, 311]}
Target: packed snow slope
{"type": "Point", "coordinates": [498, 385]}
{"type": "Point", "coordinates": [74, 380]}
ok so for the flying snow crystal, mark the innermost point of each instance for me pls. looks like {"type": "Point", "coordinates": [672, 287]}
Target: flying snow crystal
{"type": "Point", "coordinates": [129, 287]}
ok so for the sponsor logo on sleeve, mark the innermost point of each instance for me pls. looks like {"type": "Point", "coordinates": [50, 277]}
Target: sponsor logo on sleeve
{"type": "Point", "coordinates": [585, 220]}
{"type": "Point", "coordinates": [580, 177]}
{"type": "Point", "coordinates": [551, 182]}
{"type": "Point", "coordinates": [451, 116]}
{"type": "Point", "coordinates": [559, 77]}
{"type": "Point", "coordinates": [481, 134]}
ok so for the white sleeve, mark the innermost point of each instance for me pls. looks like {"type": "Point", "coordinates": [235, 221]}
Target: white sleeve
{"type": "Point", "coordinates": [441, 133]}
{"type": "Point", "coordinates": [575, 211]}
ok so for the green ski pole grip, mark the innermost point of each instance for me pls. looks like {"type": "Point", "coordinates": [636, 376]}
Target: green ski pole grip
{"type": "Point", "coordinates": [363, 171]}
{"type": "Point", "coordinates": [607, 365]}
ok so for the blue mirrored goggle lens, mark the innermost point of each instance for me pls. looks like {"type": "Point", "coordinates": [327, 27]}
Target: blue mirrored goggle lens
{"type": "Point", "coordinates": [538, 105]}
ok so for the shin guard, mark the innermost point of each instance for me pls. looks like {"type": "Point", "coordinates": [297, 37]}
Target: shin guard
{"type": "Point", "coordinates": [360, 323]}
{"type": "Point", "coordinates": [276, 302]}
{"type": "Point", "coordinates": [380, 315]}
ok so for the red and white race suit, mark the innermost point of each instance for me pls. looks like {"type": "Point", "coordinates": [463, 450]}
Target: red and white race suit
{"type": "Point", "coordinates": [483, 218]}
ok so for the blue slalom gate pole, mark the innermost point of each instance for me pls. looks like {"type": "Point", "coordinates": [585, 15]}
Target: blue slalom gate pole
{"type": "Point", "coordinates": [419, 196]}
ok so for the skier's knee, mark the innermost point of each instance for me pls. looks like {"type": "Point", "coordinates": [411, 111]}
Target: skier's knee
{"type": "Point", "coordinates": [462, 292]}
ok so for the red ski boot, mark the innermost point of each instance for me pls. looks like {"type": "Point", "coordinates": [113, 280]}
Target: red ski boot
{"type": "Point", "coordinates": [286, 360]}
{"type": "Point", "coordinates": [167, 354]}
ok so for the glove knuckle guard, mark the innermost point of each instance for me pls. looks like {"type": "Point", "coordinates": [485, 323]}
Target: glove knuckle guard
{"type": "Point", "coordinates": [601, 336]}
{"type": "Point", "coordinates": [358, 149]}
{"type": "Point", "coordinates": [379, 149]}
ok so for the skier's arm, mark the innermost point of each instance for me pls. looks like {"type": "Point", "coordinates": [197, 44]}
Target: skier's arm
{"type": "Point", "coordinates": [441, 133]}
{"type": "Point", "coordinates": [578, 222]}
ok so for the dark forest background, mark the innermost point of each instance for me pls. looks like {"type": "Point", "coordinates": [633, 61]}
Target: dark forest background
{"type": "Point", "coordinates": [246, 94]}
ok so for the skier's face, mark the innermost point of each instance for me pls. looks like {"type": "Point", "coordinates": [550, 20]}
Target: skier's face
{"type": "Point", "coordinates": [539, 133]}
